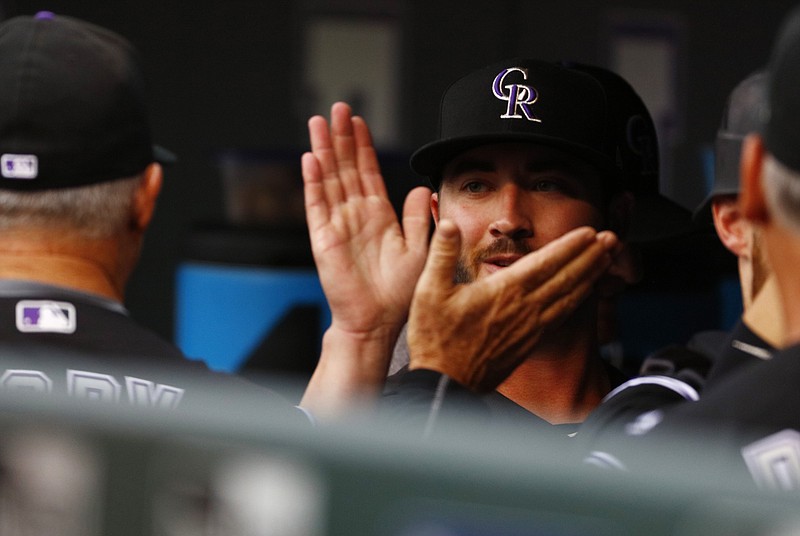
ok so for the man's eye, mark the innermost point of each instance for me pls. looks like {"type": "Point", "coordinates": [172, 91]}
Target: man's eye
{"type": "Point", "coordinates": [546, 186]}
{"type": "Point", "coordinates": [554, 185]}
{"type": "Point", "coordinates": [474, 187]}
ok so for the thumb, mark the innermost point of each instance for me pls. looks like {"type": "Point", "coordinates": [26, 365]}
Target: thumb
{"type": "Point", "coordinates": [442, 257]}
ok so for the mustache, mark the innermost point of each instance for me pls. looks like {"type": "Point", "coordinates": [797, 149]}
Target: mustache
{"type": "Point", "coordinates": [502, 246]}
{"type": "Point", "coordinates": [466, 268]}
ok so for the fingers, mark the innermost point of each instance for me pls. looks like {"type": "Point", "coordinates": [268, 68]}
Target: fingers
{"type": "Point", "coordinates": [322, 150]}
{"type": "Point", "coordinates": [560, 275]}
{"type": "Point", "coordinates": [557, 311]}
{"type": "Point", "coordinates": [317, 212]}
{"type": "Point", "coordinates": [611, 242]}
{"type": "Point", "coordinates": [416, 218]}
{"type": "Point", "coordinates": [346, 155]}
{"type": "Point", "coordinates": [535, 268]}
{"type": "Point", "coordinates": [584, 268]}
{"type": "Point", "coordinates": [366, 160]}
{"type": "Point", "coordinates": [344, 148]}
{"type": "Point", "coordinates": [566, 289]}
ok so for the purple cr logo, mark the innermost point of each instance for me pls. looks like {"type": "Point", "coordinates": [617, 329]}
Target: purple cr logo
{"type": "Point", "coordinates": [519, 96]}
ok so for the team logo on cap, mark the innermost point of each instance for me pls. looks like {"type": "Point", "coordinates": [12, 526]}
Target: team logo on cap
{"type": "Point", "coordinates": [520, 97]}
{"type": "Point", "coordinates": [45, 316]}
{"type": "Point", "coordinates": [19, 166]}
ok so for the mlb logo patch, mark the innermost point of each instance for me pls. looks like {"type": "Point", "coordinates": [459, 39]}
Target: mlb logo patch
{"type": "Point", "coordinates": [44, 316]}
{"type": "Point", "coordinates": [19, 166]}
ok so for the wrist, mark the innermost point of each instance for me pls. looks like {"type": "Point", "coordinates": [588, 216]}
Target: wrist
{"type": "Point", "coordinates": [364, 355]}
{"type": "Point", "coordinates": [351, 371]}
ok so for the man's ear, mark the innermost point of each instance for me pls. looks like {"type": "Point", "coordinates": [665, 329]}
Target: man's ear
{"type": "Point", "coordinates": [730, 224]}
{"type": "Point", "coordinates": [435, 207]}
{"type": "Point", "coordinates": [751, 196]}
{"type": "Point", "coordinates": [626, 269]}
{"type": "Point", "coordinates": [144, 201]}
{"type": "Point", "coordinates": [626, 266]}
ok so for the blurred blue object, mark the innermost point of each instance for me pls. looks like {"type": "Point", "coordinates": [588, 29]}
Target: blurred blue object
{"type": "Point", "coordinates": [223, 312]}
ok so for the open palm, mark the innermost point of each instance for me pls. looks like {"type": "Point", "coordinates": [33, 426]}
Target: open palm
{"type": "Point", "coordinates": [368, 263]}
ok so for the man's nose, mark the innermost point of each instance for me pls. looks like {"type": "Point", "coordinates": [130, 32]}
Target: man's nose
{"type": "Point", "coordinates": [513, 219]}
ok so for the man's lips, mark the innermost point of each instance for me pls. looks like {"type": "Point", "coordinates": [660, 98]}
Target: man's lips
{"type": "Point", "coordinates": [502, 261]}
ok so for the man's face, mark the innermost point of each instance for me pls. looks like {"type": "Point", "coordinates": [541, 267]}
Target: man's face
{"type": "Point", "coordinates": [510, 199]}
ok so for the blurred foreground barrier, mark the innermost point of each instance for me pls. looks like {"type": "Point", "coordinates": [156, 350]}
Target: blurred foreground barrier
{"type": "Point", "coordinates": [227, 466]}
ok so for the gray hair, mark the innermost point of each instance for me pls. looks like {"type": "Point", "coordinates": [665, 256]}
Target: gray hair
{"type": "Point", "coordinates": [94, 211]}
{"type": "Point", "coordinates": [782, 193]}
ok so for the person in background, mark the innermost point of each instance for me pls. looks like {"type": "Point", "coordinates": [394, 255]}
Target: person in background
{"type": "Point", "coordinates": [747, 423]}
{"type": "Point", "coordinates": [79, 181]}
{"type": "Point", "coordinates": [760, 329]}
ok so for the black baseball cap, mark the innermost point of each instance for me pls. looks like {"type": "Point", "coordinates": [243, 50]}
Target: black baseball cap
{"type": "Point", "coordinates": [745, 113]}
{"type": "Point", "coordinates": [782, 128]}
{"type": "Point", "coordinates": [522, 100]}
{"type": "Point", "coordinates": [632, 132]}
{"type": "Point", "coordinates": [584, 110]}
{"type": "Point", "coordinates": [72, 106]}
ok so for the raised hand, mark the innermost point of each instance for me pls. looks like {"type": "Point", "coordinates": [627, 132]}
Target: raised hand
{"type": "Point", "coordinates": [480, 332]}
{"type": "Point", "coordinates": [367, 262]}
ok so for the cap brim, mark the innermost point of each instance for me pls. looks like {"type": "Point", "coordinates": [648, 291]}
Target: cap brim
{"type": "Point", "coordinates": [703, 210]}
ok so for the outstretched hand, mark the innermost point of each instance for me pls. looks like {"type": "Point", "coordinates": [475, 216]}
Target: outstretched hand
{"type": "Point", "coordinates": [480, 332]}
{"type": "Point", "coordinates": [368, 263]}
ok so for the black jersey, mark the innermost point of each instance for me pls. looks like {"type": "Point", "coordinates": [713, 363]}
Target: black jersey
{"type": "Point", "coordinates": [56, 340]}
{"type": "Point", "coordinates": [427, 398]}
{"type": "Point", "coordinates": [745, 423]}
{"type": "Point", "coordinates": [637, 398]}
{"type": "Point", "coordinates": [742, 348]}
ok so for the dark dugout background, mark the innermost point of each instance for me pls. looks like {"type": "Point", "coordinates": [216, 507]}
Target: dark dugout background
{"type": "Point", "coordinates": [228, 75]}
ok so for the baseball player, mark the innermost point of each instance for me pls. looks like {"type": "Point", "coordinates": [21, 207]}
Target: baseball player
{"type": "Point", "coordinates": [79, 179]}
{"type": "Point", "coordinates": [759, 330]}
{"type": "Point", "coordinates": [746, 424]}
{"type": "Point", "coordinates": [677, 373]}
{"type": "Point", "coordinates": [526, 172]}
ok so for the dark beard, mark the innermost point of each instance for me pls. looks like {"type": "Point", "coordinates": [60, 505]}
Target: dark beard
{"type": "Point", "coordinates": [503, 245]}
{"type": "Point", "coordinates": [462, 274]}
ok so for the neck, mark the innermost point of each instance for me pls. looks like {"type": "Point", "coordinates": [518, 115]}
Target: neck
{"type": "Point", "coordinates": [81, 264]}
{"type": "Point", "coordinates": [746, 282]}
{"type": "Point", "coordinates": [783, 248]}
{"type": "Point", "coordinates": [764, 317]}
{"type": "Point", "coordinates": [563, 380]}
